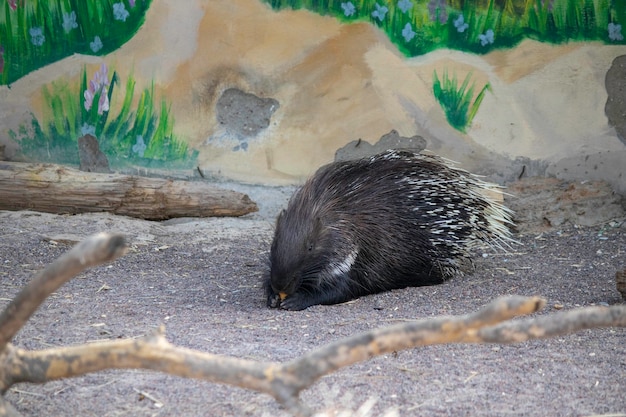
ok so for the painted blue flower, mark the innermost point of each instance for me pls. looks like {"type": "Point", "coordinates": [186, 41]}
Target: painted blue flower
{"type": "Point", "coordinates": [615, 32]}
{"type": "Point", "coordinates": [120, 12]}
{"type": "Point", "coordinates": [405, 5]}
{"type": "Point", "coordinates": [69, 21]}
{"type": "Point", "coordinates": [348, 8]}
{"type": "Point", "coordinates": [37, 37]}
{"type": "Point", "coordinates": [487, 38]}
{"type": "Point", "coordinates": [96, 45]}
{"type": "Point", "coordinates": [139, 147]}
{"type": "Point", "coordinates": [408, 32]}
{"type": "Point", "coordinates": [460, 24]}
{"type": "Point", "coordinates": [87, 129]}
{"type": "Point", "coordinates": [380, 12]}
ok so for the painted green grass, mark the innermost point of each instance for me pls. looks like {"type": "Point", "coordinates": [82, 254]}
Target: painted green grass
{"type": "Point", "coordinates": [34, 33]}
{"type": "Point", "coordinates": [421, 26]}
{"type": "Point", "coordinates": [456, 100]}
{"type": "Point", "coordinates": [140, 133]}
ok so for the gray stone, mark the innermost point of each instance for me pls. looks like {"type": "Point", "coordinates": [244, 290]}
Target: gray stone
{"type": "Point", "coordinates": [392, 140]}
{"type": "Point", "coordinates": [615, 107]}
{"type": "Point", "coordinates": [244, 114]}
{"type": "Point", "coordinates": [91, 157]}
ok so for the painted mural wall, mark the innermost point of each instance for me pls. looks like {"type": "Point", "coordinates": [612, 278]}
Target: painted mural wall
{"type": "Point", "coordinates": [267, 91]}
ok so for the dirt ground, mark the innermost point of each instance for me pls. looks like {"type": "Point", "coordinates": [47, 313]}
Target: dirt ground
{"type": "Point", "coordinates": [201, 278]}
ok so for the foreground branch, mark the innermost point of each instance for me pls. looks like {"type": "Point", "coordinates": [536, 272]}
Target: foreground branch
{"type": "Point", "coordinates": [285, 381]}
{"type": "Point", "coordinates": [490, 324]}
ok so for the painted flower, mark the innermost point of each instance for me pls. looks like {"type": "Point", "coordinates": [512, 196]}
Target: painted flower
{"type": "Point", "coordinates": [69, 21]}
{"type": "Point", "coordinates": [1, 59]}
{"type": "Point", "coordinates": [380, 12]}
{"type": "Point", "coordinates": [459, 24]}
{"type": "Point", "coordinates": [487, 38]}
{"type": "Point", "coordinates": [87, 129]}
{"type": "Point", "coordinates": [139, 147]}
{"type": "Point", "coordinates": [12, 4]}
{"type": "Point", "coordinates": [615, 32]}
{"type": "Point", "coordinates": [98, 84]}
{"type": "Point", "coordinates": [132, 3]}
{"type": "Point", "coordinates": [103, 103]}
{"type": "Point", "coordinates": [120, 12]}
{"type": "Point", "coordinates": [405, 5]}
{"type": "Point", "coordinates": [408, 32]}
{"type": "Point", "coordinates": [348, 9]}
{"type": "Point", "coordinates": [37, 37]}
{"type": "Point", "coordinates": [96, 45]}
{"type": "Point", "coordinates": [437, 9]}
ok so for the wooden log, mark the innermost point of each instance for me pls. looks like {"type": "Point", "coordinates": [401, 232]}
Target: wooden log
{"type": "Point", "coordinates": [59, 189]}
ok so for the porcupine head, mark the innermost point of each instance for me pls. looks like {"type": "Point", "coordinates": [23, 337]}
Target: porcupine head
{"type": "Point", "coordinates": [310, 257]}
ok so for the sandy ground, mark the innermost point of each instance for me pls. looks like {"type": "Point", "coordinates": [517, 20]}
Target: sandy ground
{"type": "Point", "coordinates": [201, 278]}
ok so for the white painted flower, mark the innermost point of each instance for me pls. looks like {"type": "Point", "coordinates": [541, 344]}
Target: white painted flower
{"type": "Point", "coordinates": [69, 21]}
{"type": "Point", "coordinates": [408, 32]}
{"type": "Point", "coordinates": [120, 12]}
{"type": "Point", "coordinates": [348, 8]}
{"type": "Point", "coordinates": [405, 5]}
{"type": "Point", "coordinates": [96, 45]}
{"type": "Point", "coordinates": [380, 12]}
{"type": "Point", "coordinates": [103, 103]}
{"type": "Point", "coordinates": [615, 32]}
{"type": "Point", "coordinates": [37, 37]}
{"type": "Point", "coordinates": [139, 147]}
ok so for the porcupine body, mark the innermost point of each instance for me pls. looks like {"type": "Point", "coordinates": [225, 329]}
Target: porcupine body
{"type": "Point", "coordinates": [393, 220]}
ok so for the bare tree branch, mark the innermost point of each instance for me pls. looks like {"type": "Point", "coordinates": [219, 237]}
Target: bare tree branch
{"type": "Point", "coordinates": [96, 250]}
{"type": "Point", "coordinates": [557, 324]}
{"type": "Point", "coordinates": [438, 330]}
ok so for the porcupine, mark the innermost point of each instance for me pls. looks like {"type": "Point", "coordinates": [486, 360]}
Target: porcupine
{"type": "Point", "coordinates": [392, 220]}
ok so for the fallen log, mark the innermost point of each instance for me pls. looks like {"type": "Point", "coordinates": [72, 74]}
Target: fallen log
{"type": "Point", "coordinates": [62, 190]}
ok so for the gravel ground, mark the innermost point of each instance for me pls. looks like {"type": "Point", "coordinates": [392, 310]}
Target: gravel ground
{"type": "Point", "coordinates": [201, 278]}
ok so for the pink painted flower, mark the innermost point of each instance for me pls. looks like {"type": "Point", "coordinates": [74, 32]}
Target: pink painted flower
{"type": "Point", "coordinates": [14, 4]}
{"type": "Point", "coordinates": [132, 3]}
{"type": "Point", "coordinates": [98, 84]}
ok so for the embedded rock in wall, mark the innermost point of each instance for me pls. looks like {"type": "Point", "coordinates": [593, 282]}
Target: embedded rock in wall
{"type": "Point", "coordinates": [92, 159]}
{"type": "Point", "coordinates": [244, 114]}
{"type": "Point", "coordinates": [615, 107]}
{"type": "Point", "coordinates": [392, 140]}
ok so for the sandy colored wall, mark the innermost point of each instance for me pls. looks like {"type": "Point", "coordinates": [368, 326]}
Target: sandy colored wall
{"type": "Point", "coordinates": [301, 85]}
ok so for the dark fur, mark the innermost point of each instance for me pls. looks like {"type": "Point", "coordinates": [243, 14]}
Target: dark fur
{"type": "Point", "coordinates": [393, 220]}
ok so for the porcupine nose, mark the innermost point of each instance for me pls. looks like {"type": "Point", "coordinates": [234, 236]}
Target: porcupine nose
{"type": "Point", "coordinates": [284, 285]}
